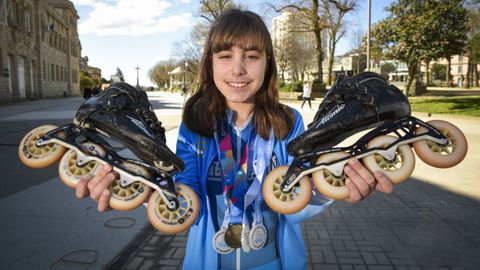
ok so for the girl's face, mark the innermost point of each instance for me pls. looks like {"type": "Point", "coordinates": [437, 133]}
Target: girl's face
{"type": "Point", "coordinates": [239, 74]}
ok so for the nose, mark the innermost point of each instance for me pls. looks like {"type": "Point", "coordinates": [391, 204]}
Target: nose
{"type": "Point", "coordinates": [238, 67]}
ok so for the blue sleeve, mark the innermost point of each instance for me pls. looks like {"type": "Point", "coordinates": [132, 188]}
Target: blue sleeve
{"type": "Point", "coordinates": [187, 151]}
{"type": "Point", "coordinates": [318, 203]}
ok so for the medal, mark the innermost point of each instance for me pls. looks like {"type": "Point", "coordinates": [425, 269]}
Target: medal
{"type": "Point", "coordinates": [218, 243]}
{"type": "Point", "coordinates": [233, 236]}
{"type": "Point", "coordinates": [258, 236]}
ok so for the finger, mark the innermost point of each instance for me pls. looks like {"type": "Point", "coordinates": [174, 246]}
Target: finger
{"type": "Point", "coordinates": [103, 201]}
{"type": "Point", "coordinates": [102, 185]}
{"type": "Point", "coordinates": [383, 183]}
{"type": "Point", "coordinates": [361, 185]}
{"type": "Point", "coordinates": [354, 195]}
{"type": "Point", "coordinates": [81, 190]}
{"type": "Point", "coordinates": [99, 176]}
{"type": "Point", "coordinates": [363, 172]}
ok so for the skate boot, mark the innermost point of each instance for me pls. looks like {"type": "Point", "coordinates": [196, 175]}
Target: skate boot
{"type": "Point", "coordinates": [365, 101]}
{"type": "Point", "coordinates": [123, 114]}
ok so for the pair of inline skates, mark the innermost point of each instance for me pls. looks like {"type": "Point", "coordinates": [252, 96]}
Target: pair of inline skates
{"type": "Point", "coordinates": [357, 104]}
{"type": "Point", "coordinates": [123, 114]}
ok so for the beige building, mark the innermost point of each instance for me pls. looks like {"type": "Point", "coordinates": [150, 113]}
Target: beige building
{"type": "Point", "coordinates": [39, 49]}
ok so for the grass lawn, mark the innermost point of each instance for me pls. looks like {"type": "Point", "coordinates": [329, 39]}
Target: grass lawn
{"type": "Point", "coordinates": [464, 105]}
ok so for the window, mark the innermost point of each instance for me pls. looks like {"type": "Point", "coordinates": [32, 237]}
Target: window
{"type": "Point", "coordinates": [52, 72]}
{"type": "Point", "coordinates": [44, 71]}
{"type": "Point", "coordinates": [460, 69]}
{"type": "Point", "coordinates": [28, 20]}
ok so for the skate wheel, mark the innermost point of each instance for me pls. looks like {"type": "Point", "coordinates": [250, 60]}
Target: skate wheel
{"type": "Point", "coordinates": [442, 156]}
{"type": "Point", "coordinates": [178, 220]}
{"type": "Point", "coordinates": [398, 169]}
{"type": "Point", "coordinates": [70, 173]}
{"type": "Point", "coordinates": [131, 196]}
{"type": "Point", "coordinates": [39, 157]}
{"type": "Point", "coordinates": [285, 202]}
{"type": "Point", "coordinates": [326, 182]}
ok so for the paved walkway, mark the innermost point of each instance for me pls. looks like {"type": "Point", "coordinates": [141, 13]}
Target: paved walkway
{"type": "Point", "coordinates": [429, 222]}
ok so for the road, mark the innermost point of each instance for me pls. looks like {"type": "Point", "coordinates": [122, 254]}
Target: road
{"type": "Point", "coordinates": [43, 224]}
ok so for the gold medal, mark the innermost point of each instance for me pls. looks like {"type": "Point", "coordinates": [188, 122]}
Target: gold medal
{"type": "Point", "coordinates": [233, 236]}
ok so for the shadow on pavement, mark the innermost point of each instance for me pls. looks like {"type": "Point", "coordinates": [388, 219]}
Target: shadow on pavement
{"type": "Point", "coordinates": [418, 226]}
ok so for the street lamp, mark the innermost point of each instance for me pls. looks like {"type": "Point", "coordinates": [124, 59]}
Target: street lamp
{"type": "Point", "coordinates": [138, 85]}
{"type": "Point", "coordinates": [185, 79]}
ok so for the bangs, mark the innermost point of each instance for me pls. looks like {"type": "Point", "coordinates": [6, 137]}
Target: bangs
{"type": "Point", "coordinates": [246, 34]}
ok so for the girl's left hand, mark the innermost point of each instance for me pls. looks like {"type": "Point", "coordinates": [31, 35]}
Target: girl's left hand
{"type": "Point", "coordinates": [362, 183]}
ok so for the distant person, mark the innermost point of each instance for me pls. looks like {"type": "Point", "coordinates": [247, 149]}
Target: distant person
{"type": "Point", "coordinates": [307, 91]}
{"type": "Point", "coordinates": [460, 81]}
{"type": "Point", "coordinates": [87, 93]}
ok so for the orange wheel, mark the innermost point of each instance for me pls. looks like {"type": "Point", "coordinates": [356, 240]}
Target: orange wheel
{"type": "Point", "coordinates": [177, 220]}
{"type": "Point", "coordinates": [398, 169]}
{"type": "Point", "coordinates": [326, 182]}
{"type": "Point", "coordinates": [39, 156]}
{"type": "Point", "coordinates": [131, 196]}
{"type": "Point", "coordinates": [285, 202]}
{"type": "Point", "coordinates": [442, 156]}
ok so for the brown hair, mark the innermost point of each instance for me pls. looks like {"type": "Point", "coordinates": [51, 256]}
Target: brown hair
{"type": "Point", "coordinates": [243, 29]}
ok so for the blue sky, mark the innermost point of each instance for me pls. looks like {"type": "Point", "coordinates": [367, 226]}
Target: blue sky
{"type": "Point", "coordinates": [131, 33]}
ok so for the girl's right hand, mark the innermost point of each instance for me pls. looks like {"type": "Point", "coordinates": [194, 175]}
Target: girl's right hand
{"type": "Point", "coordinates": [97, 187]}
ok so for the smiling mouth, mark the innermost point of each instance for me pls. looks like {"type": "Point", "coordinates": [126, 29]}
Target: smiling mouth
{"type": "Point", "coordinates": [238, 84]}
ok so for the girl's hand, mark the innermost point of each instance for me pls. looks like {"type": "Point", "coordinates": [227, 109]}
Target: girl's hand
{"type": "Point", "coordinates": [97, 187]}
{"type": "Point", "coordinates": [362, 182]}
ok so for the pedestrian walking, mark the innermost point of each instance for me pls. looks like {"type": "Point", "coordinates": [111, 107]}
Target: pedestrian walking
{"type": "Point", "coordinates": [307, 91]}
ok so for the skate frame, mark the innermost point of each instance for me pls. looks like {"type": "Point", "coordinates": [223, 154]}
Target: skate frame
{"type": "Point", "coordinates": [75, 136]}
{"type": "Point", "coordinates": [404, 129]}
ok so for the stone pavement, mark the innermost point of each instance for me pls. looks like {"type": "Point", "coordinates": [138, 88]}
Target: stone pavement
{"type": "Point", "coordinates": [431, 221]}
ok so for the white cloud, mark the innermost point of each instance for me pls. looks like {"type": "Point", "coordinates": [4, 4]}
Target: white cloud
{"type": "Point", "coordinates": [131, 18]}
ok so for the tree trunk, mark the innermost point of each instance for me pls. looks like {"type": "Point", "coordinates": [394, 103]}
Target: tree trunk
{"type": "Point", "coordinates": [469, 67]}
{"type": "Point", "coordinates": [427, 74]}
{"type": "Point", "coordinates": [449, 68]}
{"type": "Point", "coordinates": [476, 74]}
{"type": "Point", "coordinates": [331, 55]}
{"type": "Point", "coordinates": [412, 71]}
{"type": "Point", "coordinates": [318, 46]}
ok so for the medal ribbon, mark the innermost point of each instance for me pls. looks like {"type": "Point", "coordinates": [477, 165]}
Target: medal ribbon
{"type": "Point", "coordinates": [234, 176]}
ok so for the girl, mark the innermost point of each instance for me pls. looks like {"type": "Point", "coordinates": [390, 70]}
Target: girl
{"type": "Point", "coordinates": [230, 124]}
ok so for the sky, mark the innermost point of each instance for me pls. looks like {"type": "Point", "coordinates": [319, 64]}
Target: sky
{"type": "Point", "coordinates": [139, 33]}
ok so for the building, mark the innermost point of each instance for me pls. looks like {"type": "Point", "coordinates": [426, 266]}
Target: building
{"type": "Point", "coordinates": [294, 47]}
{"type": "Point", "coordinates": [39, 49]}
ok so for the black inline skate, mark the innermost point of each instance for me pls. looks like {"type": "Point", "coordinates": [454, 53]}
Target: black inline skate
{"type": "Point", "coordinates": [123, 114]}
{"type": "Point", "coordinates": [352, 105]}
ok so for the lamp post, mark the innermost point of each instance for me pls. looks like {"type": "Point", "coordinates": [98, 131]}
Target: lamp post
{"type": "Point", "coordinates": [185, 78]}
{"type": "Point", "coordinates": [138, 85]}
{"type": "Point", "coordinates": [368, 34]}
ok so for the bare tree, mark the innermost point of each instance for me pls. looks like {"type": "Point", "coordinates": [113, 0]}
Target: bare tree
{"type": "Point", "coordinates": [313, 22]}
{"type": "Point", "coordinates": [334, 14]}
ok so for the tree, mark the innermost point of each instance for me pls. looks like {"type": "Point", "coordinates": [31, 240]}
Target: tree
{"type": "Point", "coordinates": [190, 49]}
{"type": "Point", "coordinates": [416, 31]}
{"type": "Point", "coordinates": [473, 44]}
{"type": "Point", "coordinates": [119, 74]}
{"type": "Point", "coordinates": [386, 69]}
{"type": "Point", "coordinates": [159, 73]}
{"type": "Point", "coordinates": [335, 11]}
{"type": "Point", "coordinates": [86, 81]}
{"type": "Point", "coordinates": [312, 22]}
{"type": "Point", "coordinates": [439, 72]}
